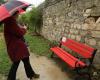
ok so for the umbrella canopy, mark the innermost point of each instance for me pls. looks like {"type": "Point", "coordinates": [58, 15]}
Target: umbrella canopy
{"type": "Point", "coordinates": [9, 8]}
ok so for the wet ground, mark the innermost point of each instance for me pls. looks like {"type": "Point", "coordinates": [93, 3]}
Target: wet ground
{"type": "Point", "coordinates": [47, 69]}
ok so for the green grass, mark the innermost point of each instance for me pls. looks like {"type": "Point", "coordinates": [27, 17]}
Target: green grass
{"type": "Point", "coordinates": [4, 60]}
{"type": "Point", "coordinates": [1, 28]}
{"type": "Point", "coordinates": [38, 45]}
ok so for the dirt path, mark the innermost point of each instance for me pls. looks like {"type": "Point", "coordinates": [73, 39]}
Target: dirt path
{"type": "Point", "coordinates": [45, 67]}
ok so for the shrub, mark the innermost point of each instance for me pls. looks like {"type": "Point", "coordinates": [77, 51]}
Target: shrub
{"type": "Point", "coordinates": [33, 19]}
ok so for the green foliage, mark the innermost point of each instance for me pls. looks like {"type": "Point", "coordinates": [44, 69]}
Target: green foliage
{"type": "Point", "coordinates": [54, 43]}
{"type": "Point", "coordinates": [36, 19]}
{"type": "Point", "coordinates": [2, 1]}
{"type": "Point", "coordinates": [4, 60]}
{"type": "Point", "coordinates": [33, 19]}
{"type": "Point", "coordinates": [24, 18]}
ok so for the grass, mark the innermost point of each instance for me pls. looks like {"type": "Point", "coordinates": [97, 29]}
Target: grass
{"type": "Point", "coordinates": [1, 28]}
{"type": "Point", "coordinates": [38, 45]}
{"type": "Point", "coordinates": [4, 60]}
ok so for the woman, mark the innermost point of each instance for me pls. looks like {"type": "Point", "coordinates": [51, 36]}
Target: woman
{"type": "Point", "coordinates": [16, 47]}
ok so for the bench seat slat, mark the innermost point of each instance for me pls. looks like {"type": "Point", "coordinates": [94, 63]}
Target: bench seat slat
{"type": "Point", "coordinates": [72, 57]}
{"type": "Point", "coordinates": [77, 47]}
{"type": "Point", "coordinates": [90, 49]}
{"type": "Point", "coordinates": [79, 50]}
{"type": "Point", "coordinates": [69, 59]}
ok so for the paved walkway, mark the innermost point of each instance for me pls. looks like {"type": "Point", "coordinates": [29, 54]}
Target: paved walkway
{"type": "Point", "coordinates": [43, 66]}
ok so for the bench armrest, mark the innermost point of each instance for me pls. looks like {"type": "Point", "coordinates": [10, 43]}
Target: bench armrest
{"type": "Point", "coordinates": [76, 63]}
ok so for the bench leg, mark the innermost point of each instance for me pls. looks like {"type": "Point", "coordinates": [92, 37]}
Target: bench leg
{"type": "Point", "coordinates": [90, 77]}
{"type": "Point", "coordinates": [85, 75]}
{"type": "Point", "coordinates": [52, 55]}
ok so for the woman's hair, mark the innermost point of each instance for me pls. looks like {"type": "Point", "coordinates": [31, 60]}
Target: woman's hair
{"type": "Point", "coordinates": [17, 12]}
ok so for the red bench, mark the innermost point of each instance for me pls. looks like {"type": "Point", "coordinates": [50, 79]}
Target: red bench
{"type": "Point", "coordinates": [85, 52]}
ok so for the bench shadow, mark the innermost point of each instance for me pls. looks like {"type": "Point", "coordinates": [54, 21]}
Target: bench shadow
{"type": "Point", "coordinates": [65, 68]}
{"type": "Point", "coordinates": [72, 74]}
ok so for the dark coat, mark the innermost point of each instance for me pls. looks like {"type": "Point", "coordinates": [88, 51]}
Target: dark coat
{"type": "Point", "coordinates": [16, 47]}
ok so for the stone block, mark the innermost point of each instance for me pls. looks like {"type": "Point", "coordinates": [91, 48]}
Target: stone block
{"type": "Point", "coordinates": [75, 26]}
{"type": "Point", "coordinates": [87, 12]}
{"type": "Point", "coordinates": [71, 31]}
{"type": "Point", "coordinates": [79, 26]}
{"type": "Point", "coordinates": [97, 59]}
{"type": "Point", "coordinates": [72, 26]}
{"type": "Point", "coordinates": [83, 33]}
{"type": "Point", "coordinates": [76, 32]}
{"type": "Point", "coordinates": [92, 26]}
{"type": "Point", "coordinates": [50, 21]}
{"type": "Point", "coordinates": [96, 11]}
{"type": "Point", "coordinates": [92, 42]}
{"type": "Point", "coordinates": [98, 26]}
{"type": "Point", "coordinates": [99, 43]}
{"type": "Point", "coordinates": [90, 20]}
{"type": "Point", "coordinates": [85, 3]}
{"type": "Point", "coordinates": [69, 36]}
{"type": "Point", "coordinates": [95, 34]}
{"type": "Point", "coordinates": [85, 26]}
{"type": "Point", "coordinates": [78, 37]}
{"type": "Point", "coordinates": [89, 26]}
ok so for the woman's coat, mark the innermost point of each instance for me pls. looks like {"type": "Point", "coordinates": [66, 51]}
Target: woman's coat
{"type": "Point", "coordinates": [16, 47]}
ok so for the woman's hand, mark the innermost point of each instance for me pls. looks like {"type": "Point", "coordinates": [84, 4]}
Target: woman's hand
{"type": "Point", "coordinates": [25, 27]}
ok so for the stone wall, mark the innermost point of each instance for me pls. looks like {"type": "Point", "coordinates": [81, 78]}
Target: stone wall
{"type": "Point", "coordinates": [75, 19]}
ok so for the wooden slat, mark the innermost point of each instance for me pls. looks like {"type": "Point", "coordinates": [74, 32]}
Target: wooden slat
{"type": "Point", "coordinates": [69, 59]}
{"type": "Point", "coordinates": [90, 49]}
{"type": "Point", "coordinates": [83, 50]}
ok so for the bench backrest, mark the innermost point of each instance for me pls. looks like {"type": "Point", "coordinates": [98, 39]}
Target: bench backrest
{"type": "Point", "coordinates": [82, 49]}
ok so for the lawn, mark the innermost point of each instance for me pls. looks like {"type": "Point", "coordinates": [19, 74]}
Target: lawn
{"type": "Point", "coordinates": [37, 45]}
{"type": "Point", "coordinates": [4, 60]}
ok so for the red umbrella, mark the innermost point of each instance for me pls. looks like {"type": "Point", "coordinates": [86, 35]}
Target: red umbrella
{"type": "Point", "coordinates": [9, 8]}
